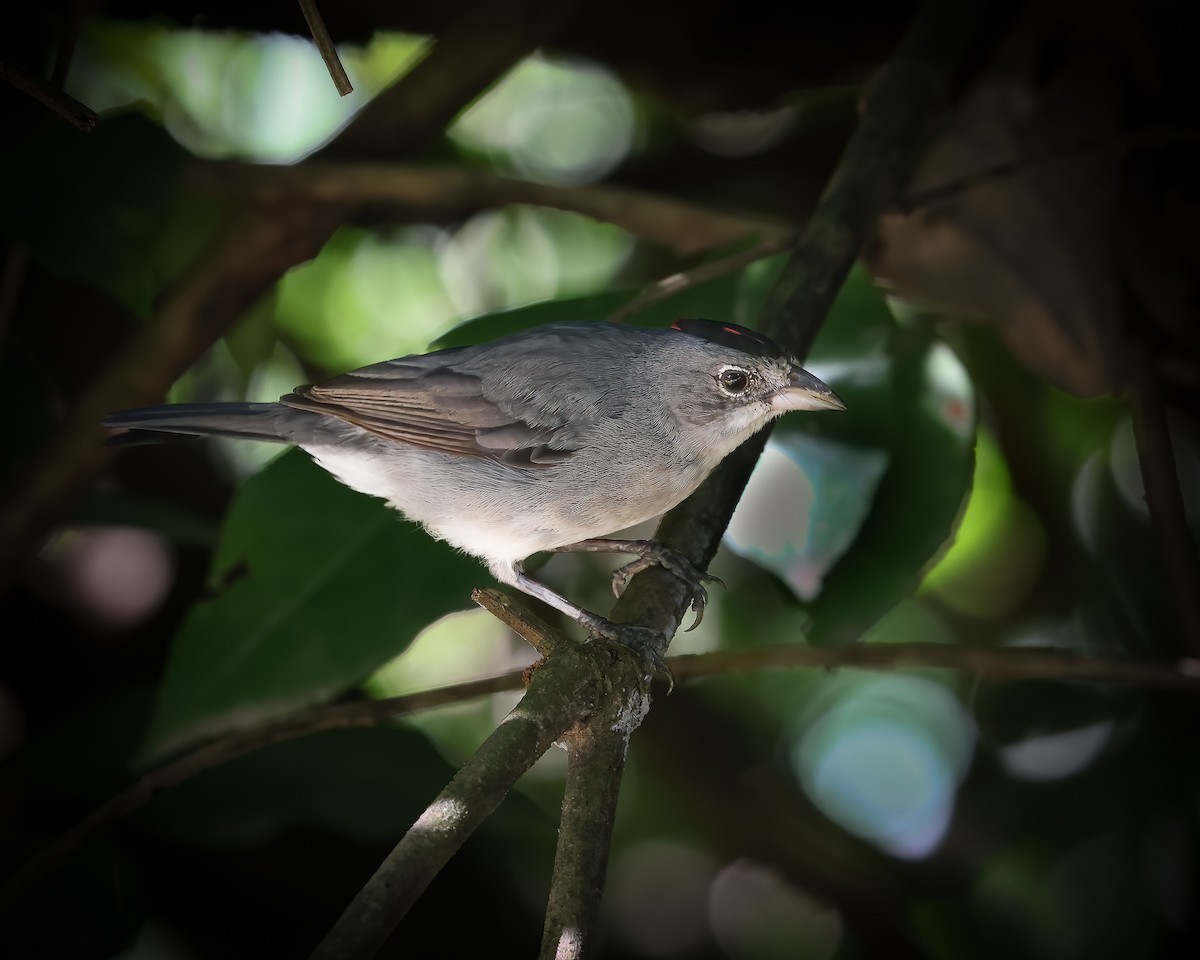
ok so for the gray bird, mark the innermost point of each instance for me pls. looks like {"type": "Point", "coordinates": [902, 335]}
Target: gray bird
{"type": "Point", "coordinates": [544, 440]}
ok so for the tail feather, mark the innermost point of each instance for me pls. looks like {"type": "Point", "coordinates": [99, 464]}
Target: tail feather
{"type": "Point", "coordinates": [186, 421]}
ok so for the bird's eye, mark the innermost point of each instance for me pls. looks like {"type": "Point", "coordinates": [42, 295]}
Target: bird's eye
{"type": "Point", "coordinates": [733, 380]}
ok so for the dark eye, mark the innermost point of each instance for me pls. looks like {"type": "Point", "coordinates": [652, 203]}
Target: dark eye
{"type": "Point", "coordinates": [733, 380]}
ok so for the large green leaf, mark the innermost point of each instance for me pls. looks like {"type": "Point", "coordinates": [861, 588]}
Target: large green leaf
{"type": "Point", "coordinates": [321, 586]}
{"type": "Point", "coordinates": [909, 407]}
{"type": "Point", "coordinates": [716, 299]}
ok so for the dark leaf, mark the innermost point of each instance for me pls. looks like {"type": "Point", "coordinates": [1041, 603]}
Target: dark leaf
{"type": "Point", "coordinates": [322, 586]}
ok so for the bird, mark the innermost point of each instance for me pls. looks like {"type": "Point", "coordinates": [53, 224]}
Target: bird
{"type": "Point", "coordinates": [550, 439]}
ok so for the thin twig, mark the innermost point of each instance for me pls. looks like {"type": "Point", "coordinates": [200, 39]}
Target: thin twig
{"type": "Point", "coordinates": [996, 663]}
{"type": "Point", "coordinates": [324, 42]}
{"type": "Point", "coordinates": [1160, 480]}
{"type": "Point", "coordinates": [1003, 664]}
{"type": "Point", "coordinates": [450, 193]}
{"type": "Point", "coordinates": [559, 692]}
{"type": "Point", "coordinates": [1157, 136]}
{"type": "Point", "coordinates": [256, 245]}
{"type": "Point", "coordinates": [519, 619]}
{"type": "Point", "coordinates": [482, 42]}
{"type": "Point", "coordinates": [343, 716]}
{"type": "Point", "coordinates": [75, 113]}
{"type": "Point", "coordinates": [595, 761]}
{"type": "Point", "coordinates": [912, 93]}
{"type": "Point", "coordinates": [71, 21]}
{"type": "Point", "coordinates": [669, 286]}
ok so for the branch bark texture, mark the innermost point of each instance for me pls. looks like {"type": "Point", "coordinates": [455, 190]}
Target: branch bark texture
{"type": "Point", "coordinates": [562, 689]}
{"type": "Point", "coordinates": [912, 93]}
{"type": "Point", "coordinates": [450, 193]}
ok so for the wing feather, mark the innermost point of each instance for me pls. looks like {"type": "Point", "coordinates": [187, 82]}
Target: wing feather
{"type": "Point", "coordinates": [430, 405]}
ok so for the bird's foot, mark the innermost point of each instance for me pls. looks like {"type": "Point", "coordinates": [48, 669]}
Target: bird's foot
{"type": "Point", "coordinates": [654, 554]}
{"type": "Point", "coordinates": [644, 641]}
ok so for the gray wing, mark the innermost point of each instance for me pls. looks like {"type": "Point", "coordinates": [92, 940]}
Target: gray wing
{"type": "Point", "coordinates": [425, 402]}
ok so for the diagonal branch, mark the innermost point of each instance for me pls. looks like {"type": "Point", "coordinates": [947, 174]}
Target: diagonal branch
{"type": "Point", "coordinates": [1009, 663]}
{"type": "Point", "coordinates": [1164, 499]}
{"type": "Point", "coordinates": [479, 46]}
{"type": "Point", "coordinates": [913, 92]}
{"type": "Point", "coordinates": [341, 716]}
{"type": "Point", "coordinates": [257, 244]}
{"type": "Point", "coordinates": [595, 762]}
{"type": "Point", "coordinates": [49, 94]}
{"type": "Point", "coordinates": [324, 42]}
{"type": "Point", "coordinates": [669, 286]}
{"type": "Point", "coordinates": [910, 96]}
{"type": "Point", "coordinates": [995, 663]}
{"type": "Point", "coordinates": [450, 193]}
{"type": "Point", "coordinates": [563, 689]}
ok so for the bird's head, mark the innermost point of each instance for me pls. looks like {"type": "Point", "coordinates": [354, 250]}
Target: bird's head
{"type": "Point", "coordinates": [734, 380]}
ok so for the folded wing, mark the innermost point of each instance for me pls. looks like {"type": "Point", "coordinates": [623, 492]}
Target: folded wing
{"type": "Point", "coordinates": [424, 402]}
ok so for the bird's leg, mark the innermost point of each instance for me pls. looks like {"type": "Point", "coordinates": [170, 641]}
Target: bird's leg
{"type": "Point", "coordinates": [643, 640]}
{"type": "Point", "coordinates": [650, 553]}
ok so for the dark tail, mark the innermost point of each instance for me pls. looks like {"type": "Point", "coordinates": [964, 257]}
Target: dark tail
{"type": "Point", "coordinates": [183, 421]}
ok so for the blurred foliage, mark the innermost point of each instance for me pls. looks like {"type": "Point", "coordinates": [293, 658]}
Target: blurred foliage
{"type": "Point", "coordinates": [957, 501]}
{"type": "Point", "coordinates": [261, 646]}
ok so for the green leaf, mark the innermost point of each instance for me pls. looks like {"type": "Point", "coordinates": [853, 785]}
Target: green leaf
{"type": "Point", "coordinates": [909, 406]}
{"type": "Point", "coordinates": [321, 586]}
{"type": "Point", "coordinates": [715, 299]}
{"type": "Point", "coordinates": [99, 207]}
{"type": "Point", "coordinates": [917, 504]}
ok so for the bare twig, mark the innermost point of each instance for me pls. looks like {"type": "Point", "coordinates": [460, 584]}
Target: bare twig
{"type": "Point", "coordinates": [1155, 136]}
{"type": "Point", "coordinates": [519, 619]}
{"type": "Point", "coordinates": [72, 13]}
{"type": "Point", "coordinates": [75, 113]}
{"type": "Point", "coordinates": [257, 244]}
{"type": "Point", "coordinates": [901, 109]}
{"type": "Point", "coordinates": [445, 193]}
{"type": "Point", "coordinates": [482, 42]}
{"type": "Point", "coordinates": [342, 716]}
{"type": "Point", "coordinates": [669, 286]}
{"type": "Point", "coordinates": [876, 164]}
{"type": "Point", "coordinates": [595, 761]}
{"type": "Point", "coordinates": [560, 693]}
{"type": "Point", "coordinates": [1164, 500]}
{"type": "Point", "coordinates": [1009, 663]}
{"type": "Point", "coordinates": [995, 663]}
{"type": "Point", "coordinates": [324, 42]}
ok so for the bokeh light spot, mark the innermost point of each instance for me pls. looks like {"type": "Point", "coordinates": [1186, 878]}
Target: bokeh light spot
{"type": "Point", "coordinates": [657, 897]}
{"type": "Point", "coordinates": [756, 915]}
{"type": "Point", "coordinates": [553, 122]}
{"type": "Point", "coordinates": [803, 507]}
{"type": "Point", "coordinates": [884, 759]}
{"type": "Point", "coordinates": [1058, 755]}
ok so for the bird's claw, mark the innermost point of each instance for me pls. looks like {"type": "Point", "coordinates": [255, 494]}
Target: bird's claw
{"type": "Point", "coordinates": [656, 555]}
{"type": "Point", "coordinates": [643, 641]}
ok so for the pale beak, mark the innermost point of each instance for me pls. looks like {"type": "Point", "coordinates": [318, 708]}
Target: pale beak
{"type": "Point", "coordinates": [805, 392]}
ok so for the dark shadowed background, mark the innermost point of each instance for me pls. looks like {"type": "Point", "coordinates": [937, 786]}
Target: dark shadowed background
{"type": "Point", "coordinates": [1019, 467]}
